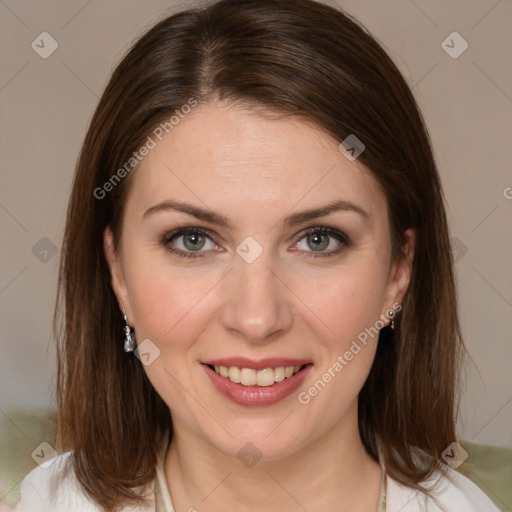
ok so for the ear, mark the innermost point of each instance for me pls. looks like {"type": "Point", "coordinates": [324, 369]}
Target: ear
{"type": "Point", "coordinates": [116, 274]}
{"type": "Point", "coordinates": [400, 274]}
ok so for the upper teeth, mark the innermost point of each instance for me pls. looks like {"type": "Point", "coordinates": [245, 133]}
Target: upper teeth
{"type": "Point", "coordinates": [251, 377]}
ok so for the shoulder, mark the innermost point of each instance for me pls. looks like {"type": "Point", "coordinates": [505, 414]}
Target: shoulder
{"type": "Point", "coordinates": [452, 492]}
{"type": "Point", "coordinates": [54, 486]}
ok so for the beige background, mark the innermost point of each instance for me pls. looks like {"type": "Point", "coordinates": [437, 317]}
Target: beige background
{"type": "Point", "coordinates": [46, 105]}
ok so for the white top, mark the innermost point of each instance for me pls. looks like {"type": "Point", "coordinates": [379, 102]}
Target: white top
{"type": "Point", "coordinates": [454, 493]}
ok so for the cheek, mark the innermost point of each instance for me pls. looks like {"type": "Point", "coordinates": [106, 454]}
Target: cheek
{"type": "Point", "coordinates": [349, 307]}
{"type": "Point", "coordinates": [346, 301]}
{"type": "Point", "coordinates": [166, 300]}
{"type": "Point", "coordinates": [171, 308]}
{"type": "Point", "coordinates": [174, 303]}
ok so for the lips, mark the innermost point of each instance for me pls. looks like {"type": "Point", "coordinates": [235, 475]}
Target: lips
{"type": "Point", "coordinates": [263, 382]}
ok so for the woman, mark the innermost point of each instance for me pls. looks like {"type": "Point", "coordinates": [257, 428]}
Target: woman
{"type": "Point", "coordinates": [256, 208]}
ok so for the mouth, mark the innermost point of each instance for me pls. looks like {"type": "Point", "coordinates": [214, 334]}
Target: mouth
{"type": "Point", "coordinates": [252, 377]}
{"type": "Point", "coordinates": [256, 384]}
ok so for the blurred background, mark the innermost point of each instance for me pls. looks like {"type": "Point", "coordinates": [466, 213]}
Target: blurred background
{"type": "Point", "coordinates": [56, 59]}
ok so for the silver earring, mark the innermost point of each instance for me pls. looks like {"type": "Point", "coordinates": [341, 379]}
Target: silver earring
{"type": "Point", "coordinates": [129, 341]}
{"type": "Point", "coordinates": [391, 314]}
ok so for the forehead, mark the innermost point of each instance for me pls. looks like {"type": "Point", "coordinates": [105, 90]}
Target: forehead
{"type": "Point", "coordinates": [228, 156]}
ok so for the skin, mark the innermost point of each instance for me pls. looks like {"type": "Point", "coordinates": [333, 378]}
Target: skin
{"type": "Point", "coordinates": [255, 171]}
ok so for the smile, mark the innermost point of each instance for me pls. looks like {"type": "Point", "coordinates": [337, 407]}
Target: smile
{"type": "Point", "coordinates": [251, 377]}
{"type": "Point", "coordinates": [259, 383]}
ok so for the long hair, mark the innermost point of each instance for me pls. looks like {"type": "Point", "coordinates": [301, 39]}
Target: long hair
{"type": "Point", "coordinates": [299, 58]}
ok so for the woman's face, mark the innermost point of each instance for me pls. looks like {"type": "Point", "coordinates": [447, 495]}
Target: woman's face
{"type": "Point", "coordinates": [258, 281]}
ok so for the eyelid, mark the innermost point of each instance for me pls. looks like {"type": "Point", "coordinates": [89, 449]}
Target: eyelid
{"type": "Point", "coordinates": [175, 233]}
{"type": "Point", "coordinates": [334, 232]}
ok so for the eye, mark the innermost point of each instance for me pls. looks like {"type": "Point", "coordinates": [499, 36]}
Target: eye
{"type": "Point", "coordinates": [188, 241]}
{"type": "Point", "coordinates": [193, 242]}
{"type": "Point", "coordinates": [319, 239]}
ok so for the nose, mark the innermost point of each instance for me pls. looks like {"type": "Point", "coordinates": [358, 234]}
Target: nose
{"type": "Point", "coordinates": [258, 305]}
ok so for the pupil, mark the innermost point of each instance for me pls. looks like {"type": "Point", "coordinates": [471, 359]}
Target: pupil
{"type": "Point", "coordinates": [320, 241]}
{"type": "Point", "coordinates": [196, 241]}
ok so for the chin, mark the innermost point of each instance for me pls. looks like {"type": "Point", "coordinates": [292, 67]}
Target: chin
{"type": "Point", "coordinates": [264, 444]}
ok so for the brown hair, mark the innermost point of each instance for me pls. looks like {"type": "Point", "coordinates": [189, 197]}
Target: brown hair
{"type": "Point", "coordinates": [299, 58]}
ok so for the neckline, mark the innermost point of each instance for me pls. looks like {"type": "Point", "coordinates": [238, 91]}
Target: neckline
{"type": "Point", "coordinates": [163, 495]}
{"type": "Point", "coordinates": [381, 507]}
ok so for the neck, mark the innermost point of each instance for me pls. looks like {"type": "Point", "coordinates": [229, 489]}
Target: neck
{"type": "Point", "coordinates": [333, 472]}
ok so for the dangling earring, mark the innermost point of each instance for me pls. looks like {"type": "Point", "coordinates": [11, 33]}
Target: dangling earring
{"type": "Point", "coordinates": [129, 342]}
{"type": "Point", "coordinates": [391, 314]}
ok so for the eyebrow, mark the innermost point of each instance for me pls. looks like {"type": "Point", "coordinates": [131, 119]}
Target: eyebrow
{"type": "Point", "coordinates": [292, 220]}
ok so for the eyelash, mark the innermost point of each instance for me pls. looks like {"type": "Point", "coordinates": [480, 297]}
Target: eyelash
{"type": "Point", "coordinates": [334, 233]}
